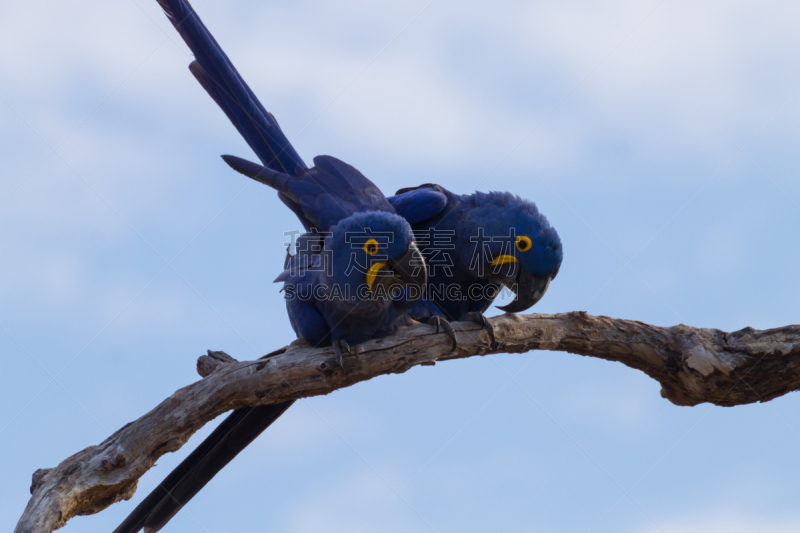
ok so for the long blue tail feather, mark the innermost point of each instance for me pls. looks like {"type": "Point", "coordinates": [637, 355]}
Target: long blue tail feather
{"type": "Point", "coordinates": [211, 88]}
{"type": "Point", "coordinates": [233, 435]}
{"type": "Point", "coordinates": [219, 78]}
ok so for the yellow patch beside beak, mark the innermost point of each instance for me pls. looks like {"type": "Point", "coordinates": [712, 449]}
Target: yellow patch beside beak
{"type": "Point", "coordinates": [503, 259]}
{"type": "Point", "coordinates": [372, 273]}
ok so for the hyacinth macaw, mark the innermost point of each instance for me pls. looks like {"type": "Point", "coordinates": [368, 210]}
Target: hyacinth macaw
{"type": "Point", "coordinates": [476, 243]}
{"type": "Point", "coordinates": [355, 277]}
{"type": "Point", "coordinates": [351, 225]}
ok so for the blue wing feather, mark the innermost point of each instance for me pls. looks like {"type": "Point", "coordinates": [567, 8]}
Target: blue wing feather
{"type": "Point", "coordinates": [343, 176]}
{"type": "Point", "coordinates": [297, 210]}
{"type": "Point", "coordinates": [330, 210]}
{"type": "Point", "coordinates": [322, 195]}
{"type": "Point", "coordinates": [306, 319]}
{"type": "Point", "coordinates": [420, 204]}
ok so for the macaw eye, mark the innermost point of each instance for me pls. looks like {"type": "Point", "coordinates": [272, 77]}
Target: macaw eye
{"type": "Point", "coordinates": [524, 243]}
{"type": "Point", "coordinates": [371, 246]}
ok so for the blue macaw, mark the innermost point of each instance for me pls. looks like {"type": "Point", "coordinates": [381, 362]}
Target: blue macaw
{"type": "Point", "coordinates": [515, 246]}
{"type": "Point", "coordinates": [354, 277]}
{"type": "Point", "coordinates": [355, 241]}
{"type": "Point", "coordinates": [476, 243]}
{"type": "Point", "coordinates": [357, 273]}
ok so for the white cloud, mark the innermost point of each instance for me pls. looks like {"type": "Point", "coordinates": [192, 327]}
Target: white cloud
{"type": "Point", "coordinates": [421, 100]}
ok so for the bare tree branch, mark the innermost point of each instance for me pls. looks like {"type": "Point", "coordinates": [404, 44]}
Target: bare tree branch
{"type": "Point", "coordinates": [693, 366]}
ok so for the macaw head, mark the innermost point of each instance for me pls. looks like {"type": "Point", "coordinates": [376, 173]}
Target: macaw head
{"type": "Point", "coordinates": [376, 249]}
{"type": "Point", "coordinates": [524, 251]}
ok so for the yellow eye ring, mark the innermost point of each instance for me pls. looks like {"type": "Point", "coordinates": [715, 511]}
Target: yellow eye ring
{"type": "Point", "coordinates": [524, 243]}
{"type": "Point", "coordinates": [371, 247]}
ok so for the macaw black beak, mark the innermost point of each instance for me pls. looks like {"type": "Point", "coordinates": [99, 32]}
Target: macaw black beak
{"type": "Point", "coordinates": [411, 270]}
{"type": "Point", "coordinates": [529, 290]}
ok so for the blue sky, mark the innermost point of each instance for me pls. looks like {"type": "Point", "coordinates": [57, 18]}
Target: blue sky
{"type": "Point", "coordinates": [660, 139]}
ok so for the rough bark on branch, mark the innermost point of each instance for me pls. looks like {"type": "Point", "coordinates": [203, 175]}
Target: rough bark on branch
{"type": "Point", "coordinates": [692, 365]}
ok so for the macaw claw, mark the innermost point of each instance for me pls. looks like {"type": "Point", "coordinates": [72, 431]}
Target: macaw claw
{"type": "Point", "coordinates": [340, 345]}
{"type": "Point", "coordinates": [440, 322]}
{"type": "Point", "coordinates": [478, 318]}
